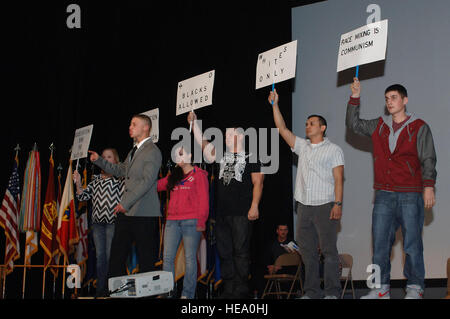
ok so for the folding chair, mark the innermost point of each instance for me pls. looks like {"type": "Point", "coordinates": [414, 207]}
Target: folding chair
{"type": "Point", "coordinates": [288, 259]}
{"type": "Point", "coordinates": [448, 279]}
{"type": "Point", "coordinates": [347, 264]}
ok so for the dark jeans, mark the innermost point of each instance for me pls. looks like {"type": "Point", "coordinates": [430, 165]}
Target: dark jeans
{"type": "Point", "coordinates": [103, 234]}
{"type": "Point", "coordinates": [233, 235]}
{"type": "Point", "coordinates": [315, 229]}
{"type": "Point", "coordinates": [392, 210]}
{"type": "Point", "coordinates": [144, 232]}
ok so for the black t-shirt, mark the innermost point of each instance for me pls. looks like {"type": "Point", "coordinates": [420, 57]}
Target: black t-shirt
{"type": "Point", "coordinates": [234, 184]}
{"type": "Point", "coordinates": [275, 251]}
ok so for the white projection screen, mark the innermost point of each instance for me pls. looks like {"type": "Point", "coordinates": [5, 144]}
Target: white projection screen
{"type": "Point", "coordinates": [417, 56]}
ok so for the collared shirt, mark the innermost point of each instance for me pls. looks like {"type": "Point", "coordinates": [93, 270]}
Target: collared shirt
{"type": "Point", "coordinates": [142, 142]}
{"type": "Point", "coordinates": [314, 184]}
{"type": "Point", "coordinates": [138, 145]}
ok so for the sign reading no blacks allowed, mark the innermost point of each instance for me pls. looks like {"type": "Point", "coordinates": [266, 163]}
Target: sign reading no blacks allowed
{"type": "Point", "coordinates": [195, 92]}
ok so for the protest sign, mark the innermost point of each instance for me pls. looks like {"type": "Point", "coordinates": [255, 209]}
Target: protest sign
{"type": "Point", "coordinates": [364, 45]}
{"type": "Point", "coordinates": [81, 142]}
{"type": "Point", "coordinates": [195, 92]}
{"type": "Point", "coordinates": [154, 117]}
{"type": "Point", "coordinates": [276, 65]}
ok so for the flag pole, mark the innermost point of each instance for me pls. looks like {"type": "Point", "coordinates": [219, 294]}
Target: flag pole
{"type": "Point", "coordinates": [24, 277]}
{"type": "Point", "coordinates": [273, 89]}
{"type": "Point", "coordinates": [43, 283]}
{"type": "Point", "coordinates": [54, 286]}
{"type": "Point", "coordinates": [357, 71]}
{"type": "Point", "coordinates": [273, 82]}
{"type": "Point", "coordinates": [44, 270]}
{"type": "Point", "coordinates": [59, 169]}
{"type": "Point", "coordinates": [26, 239]}
{"type": "Point", "coordinates": [64, 277]}
{"type": "Point", "coordinates": [4, 278]}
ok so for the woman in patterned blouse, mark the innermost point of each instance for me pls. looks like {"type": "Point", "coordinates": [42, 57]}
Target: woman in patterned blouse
{"type": "Point", "coordinates": [105, 191]}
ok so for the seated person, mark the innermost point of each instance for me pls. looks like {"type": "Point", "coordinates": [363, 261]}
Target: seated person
{"type": "Point", "coordinates": [276, 249]}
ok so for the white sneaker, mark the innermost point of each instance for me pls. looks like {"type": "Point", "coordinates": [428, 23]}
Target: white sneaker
{"type": "Point", "coordinates": [330, 297]}
{"type": "Point", "coordinates": [380, 293]}
{"type": "Point", "coordinates": [414, 292]}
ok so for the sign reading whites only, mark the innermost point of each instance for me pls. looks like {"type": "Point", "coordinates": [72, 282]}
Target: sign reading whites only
{"type": "Point", "coordinates": [154, 117]}
{"type": "Point", "coordinates": [81, 142]}
{"type": "Point", "coordinates": [276, 65]}
{"type": "Point", "coordinates": [363, 45]}
{"type": "Point", "coordinates": [195, 93]}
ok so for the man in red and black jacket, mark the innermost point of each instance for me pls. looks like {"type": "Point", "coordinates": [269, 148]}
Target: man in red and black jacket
{"type": "Point", "coordinates": [405, 175]}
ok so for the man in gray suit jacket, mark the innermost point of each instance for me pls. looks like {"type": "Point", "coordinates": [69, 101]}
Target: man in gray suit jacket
{"type": "Point", "coordinates": [139, 209]}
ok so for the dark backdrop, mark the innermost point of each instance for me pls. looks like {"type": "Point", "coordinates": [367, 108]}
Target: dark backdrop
{"type": "Point", "coordinates": [128, 58]}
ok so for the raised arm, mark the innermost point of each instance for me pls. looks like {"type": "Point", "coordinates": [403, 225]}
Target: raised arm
{"type": "Point", "coordinates": [208, 148]}
{"type": "Point", "coordinates": [285, 133]}
{"type": "Point", "coordinates": [117, 170]}
{"type": "Point", "coordinates": [352, 120]}
{"type": "Point", "coordinates": [83, 194]}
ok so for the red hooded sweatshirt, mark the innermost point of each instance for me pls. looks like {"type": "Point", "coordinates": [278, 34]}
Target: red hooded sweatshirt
{"type": "Point", "coordinates": [189, 199]}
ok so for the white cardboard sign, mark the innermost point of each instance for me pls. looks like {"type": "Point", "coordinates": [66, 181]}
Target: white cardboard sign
{"type": "Point", "coordinates": [276, 65]}
{"type": "Point", "coordinates": [364, 45]}
{"type": "Point", "coordinates": [154, 117]}
{"type": "Point", "coordinates": [195, 92]}
{"type": "Point", "coordinates": [81, 142]}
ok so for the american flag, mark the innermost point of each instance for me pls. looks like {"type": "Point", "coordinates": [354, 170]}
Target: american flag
{"type": "Point", "coordinates": [9, 218]}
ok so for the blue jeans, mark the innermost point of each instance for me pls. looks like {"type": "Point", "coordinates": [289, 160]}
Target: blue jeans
{"type": "Point", "coordinates": [103, 234]}
{"type": "Point", "coordinates": [391, 210]}
{"type": "Point", "coordinates": [175, 231]}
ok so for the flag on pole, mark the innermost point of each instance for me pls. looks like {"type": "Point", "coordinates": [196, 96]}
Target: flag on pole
{"type": "Point", "coordinates": [49, 217]}
{"type": "Point", "coordinates": [9, 212]}
{"type": "Point", "coordinates": [30, 207]}
{"type": "Point", "coordinates": [67, 234]}
{"type": "Point", "coordinates": [55, 244]}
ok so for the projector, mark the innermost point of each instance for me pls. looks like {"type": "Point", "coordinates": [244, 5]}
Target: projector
{"type": "Point", "coordinates": [141, 285]}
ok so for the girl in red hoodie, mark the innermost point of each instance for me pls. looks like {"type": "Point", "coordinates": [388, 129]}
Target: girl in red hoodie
{"type": "Point", "coordinates": [186, 217]}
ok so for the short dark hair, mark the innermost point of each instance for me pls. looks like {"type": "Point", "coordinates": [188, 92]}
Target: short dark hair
{"type": "Point", "coordinates": [399, 88]}
{"type": "Point", "coordinates": [144, 118]}
{"type": "Point", "coordinates": [322, 121]}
